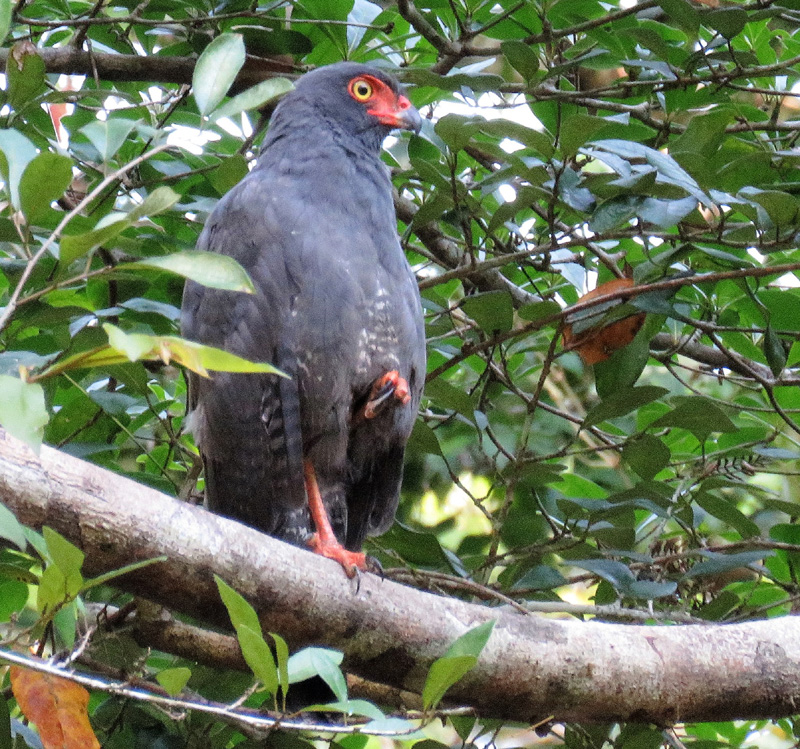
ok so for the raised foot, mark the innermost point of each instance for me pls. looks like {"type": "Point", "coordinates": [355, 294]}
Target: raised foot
{"type": "Point", "coordinates": [387, 386]}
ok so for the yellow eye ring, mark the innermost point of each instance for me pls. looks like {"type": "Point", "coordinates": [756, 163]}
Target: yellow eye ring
{"type": "Point", "coordinates": [360, 89]}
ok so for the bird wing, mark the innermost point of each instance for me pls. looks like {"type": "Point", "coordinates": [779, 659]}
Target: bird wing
{"type": "Point", "coordinates": [248, 426]}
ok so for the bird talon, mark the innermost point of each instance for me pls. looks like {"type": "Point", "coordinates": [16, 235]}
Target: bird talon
{"type": "Point", "coordinates": [389, 385]}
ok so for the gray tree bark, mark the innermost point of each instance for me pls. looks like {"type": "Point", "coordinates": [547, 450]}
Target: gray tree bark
{"type": "Point", "coordinates": [532, 667]}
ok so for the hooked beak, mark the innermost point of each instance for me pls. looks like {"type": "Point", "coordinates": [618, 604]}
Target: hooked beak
{"type": "Point", "coordinates": [400, 114]}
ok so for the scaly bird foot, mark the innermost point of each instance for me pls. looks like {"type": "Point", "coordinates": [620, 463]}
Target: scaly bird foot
{"type": "Point", "coordinates": [387, 386]}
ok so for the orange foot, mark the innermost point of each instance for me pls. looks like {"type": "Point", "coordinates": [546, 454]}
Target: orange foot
{"type": "Point", "coordinates": [324, 540]}
{"type": "Point", "coordinates": [390, 385]}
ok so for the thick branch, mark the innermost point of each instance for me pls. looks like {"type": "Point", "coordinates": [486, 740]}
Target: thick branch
{"type": "Point", "coordinates": [153, 68]}
{"type": "Point", "coordinates": [531, 668]}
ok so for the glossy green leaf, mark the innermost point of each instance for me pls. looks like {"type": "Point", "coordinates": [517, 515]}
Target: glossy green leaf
{"type": "Point", "coordinates": [129, 347]}
{"type": "Point", "coordinates": [282, 660]}
{"type": "Point", "coordinates": [158, 201]}
{"type": "Point", "coordinates": [327, 668]}
{"type": "Point", "coordinates": [207, 268]}
{"type": "Point", "coordinates": [22, 410]}
{"type": "Point", "coordinates": [253, 98]}
{"type": "Point", "coordinates": [216, 70]}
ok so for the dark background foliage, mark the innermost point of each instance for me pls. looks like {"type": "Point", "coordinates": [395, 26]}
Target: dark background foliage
{"type": "Point", "coordinates": [566, 144]}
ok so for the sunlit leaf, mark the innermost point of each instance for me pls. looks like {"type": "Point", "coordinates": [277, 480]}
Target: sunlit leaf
{"type": "Point", "coordinates": [22, 410]}
{"type": "Point", "coordinates": [253, 98]}
{"type": "Point", "coordinates": [216, 69]}
{"type": "Point", "coordinates": [207, 268]}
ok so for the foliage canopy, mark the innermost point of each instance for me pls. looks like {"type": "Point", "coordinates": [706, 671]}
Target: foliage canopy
{"type": "Point", "coordinates": [568, 143]}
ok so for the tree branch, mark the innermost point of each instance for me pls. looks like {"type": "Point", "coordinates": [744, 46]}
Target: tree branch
{"type": "Point", "coordinates": [153, 68]}
{"type": "Point", "coordinates": [531, 668]}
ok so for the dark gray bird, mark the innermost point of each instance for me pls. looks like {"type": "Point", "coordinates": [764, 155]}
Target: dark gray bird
{"type": "Point", "coordinates": [336, 307]}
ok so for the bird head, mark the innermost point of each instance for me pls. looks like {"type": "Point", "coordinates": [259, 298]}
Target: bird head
{"type": "Point", "coordinates": [357, 99]}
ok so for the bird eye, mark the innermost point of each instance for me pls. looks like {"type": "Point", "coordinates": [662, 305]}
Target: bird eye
{"type": "Point", "coordinates": [360, 89]}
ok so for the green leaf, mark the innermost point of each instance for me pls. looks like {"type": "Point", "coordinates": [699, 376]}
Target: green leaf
{"type": "Point", "coordinates": [13, 597]}
{"type": "Point", "coordinates": [25, 71]}
{"type": "Point", "coordinates": [576, 130]}
{"type": "Point", "coordinates": [241, 613]}
{"type": "Point", "coordinates": [522, 57]}
{"type": "Point", "coordinates": [207, 268]}
{"type": "Point", "coordinates": [724, 510]}
{"type": "Point", "coordinates": [647, 455]}
{"type": "Point", "coordinates": [5, 25]}
{"type": "Point", "coordinates": [158, 201]}
{"type": "Point", "coordinates": [327, 668]}
{"type": "Point", "coordinates": [698, 415]}
{"type": "Point", "coordinates": [216, 70]}
{"type": "Point", "coordinates": [93, 582]}
{"type": "Point", "coordinates": [492, 310]}
{"type": "Point", "coordinates": [460, 658]}
{"type": "Point", "coordinates": [253, 98]}
{"type": "Point", "coordinates": [683, 14]}
{"type": "Point", "coordinates": [728, 21]}
{"type": "Point", "coordinates": [73, 246]}
{"type": "Point", "coordinates": [423, 439]}
{"type": "Point", "coordinates": [443, 673]}
{"type": "Point", "coordinates": [622, 402]}
{"type": "Point", "coordinates": [65, 555]}
{"type": "Point", "coordinates": [174, 679]}
{"type": "Point", "coordinates": [302, 663]}
{"type": "Point", "coordinates": [669, 171]}
{"type": "Point", "coordinates": [22, 410]}
{"type": "Point", "coordinates": [717, 563]}
{"type": "Point", "coordinates": [258, 657]}
{"type": "Point", "coordinates": [44, 180]}
{"type": "Point", "coordinates": [282, 658]}
{"type": "Point", "coordinates": [11, 529]}
{"type": "Point", "coordinates": [781, 207]}
{"type": "Point", "coordinates": [445, 395]}
{"type": "Point", "coordinates": [774, 351]}
{"type": "Point", "coordinates": [108, 136]}
{"type": "Point", "coordinates": [123, 348]}
{"type": "Point", "coordinates": [18, 152]}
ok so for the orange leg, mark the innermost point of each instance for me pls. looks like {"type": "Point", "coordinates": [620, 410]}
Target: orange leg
{"type": "Point", "coordinates": [324, 540]}
{"type": "Point", "coordinates": [390, 385]}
